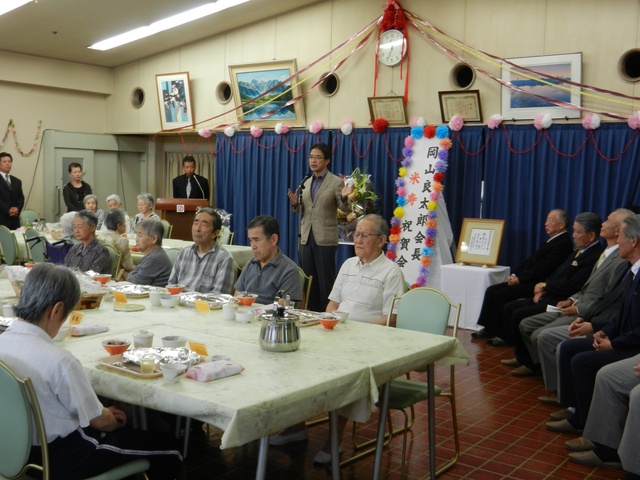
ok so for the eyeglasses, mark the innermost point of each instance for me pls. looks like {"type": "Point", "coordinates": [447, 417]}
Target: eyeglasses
{"type": "Point", "coordinates": [364, 236]}
{"type": "Point", "coordinates": [316, 157]}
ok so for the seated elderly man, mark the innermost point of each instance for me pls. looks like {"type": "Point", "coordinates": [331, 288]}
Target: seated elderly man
{"type": "Point", "coordinates": [89, 253]}
{"type": "Point", "coordinates": [84, 437]}
{"type": "Point", "coordinates": [205, 267]}
{"type": "Point", "coordinates": [364, 287]}
{"type": "Point", "coordinates": [367, 282]}
{"type": "Point", "coordinates": [116, 226]}
{"type": "Point", "coordinates": [612, 432]}
{"type": "Point", "coordinates": [269, 271]}
{"type": "Point", "coordinates": [155, 267]}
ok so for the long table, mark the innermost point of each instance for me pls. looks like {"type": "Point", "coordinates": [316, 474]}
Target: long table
{"type": "Point", "coordinates": [336, 371]}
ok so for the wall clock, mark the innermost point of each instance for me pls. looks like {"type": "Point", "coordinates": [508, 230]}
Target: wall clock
{"type": "Point", "coordinates": [392, 47]}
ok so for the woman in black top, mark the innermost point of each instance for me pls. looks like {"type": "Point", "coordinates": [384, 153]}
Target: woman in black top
{"type": "Point", "coordinates": [75, 191]}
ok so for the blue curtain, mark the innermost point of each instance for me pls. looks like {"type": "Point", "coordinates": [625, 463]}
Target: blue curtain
{"type": "Point", "coordinates": [559, 172]}
{"type": "Point", "coordinates": [253, 175]}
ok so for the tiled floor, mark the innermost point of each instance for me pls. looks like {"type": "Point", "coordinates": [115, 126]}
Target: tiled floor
{"type": "Point", "coordinates": [501, 424]}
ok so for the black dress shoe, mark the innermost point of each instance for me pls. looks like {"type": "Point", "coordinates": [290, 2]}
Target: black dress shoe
{"type": "Point", "coordinates": [498, 342]}
{"type": "Point", "coordinates": [481, 334]}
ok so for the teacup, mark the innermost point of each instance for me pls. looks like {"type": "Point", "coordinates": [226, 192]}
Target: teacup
{"type": "Point", "coordinates": [341, 315]}
{"type": "Point", "coordinates": [172, 371]}
{"type": "Point", "coordinates": [154, 297]}
{"type": "Point", "coordinates": [142, 339]}
{"type": "Point", "coordinates": [229, 311]}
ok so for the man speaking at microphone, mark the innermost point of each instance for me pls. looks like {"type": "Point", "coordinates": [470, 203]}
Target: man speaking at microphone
{"type": "Point", "coordinates": [190, 185]}
{"type": "Point", "coordinates": [322, 194]}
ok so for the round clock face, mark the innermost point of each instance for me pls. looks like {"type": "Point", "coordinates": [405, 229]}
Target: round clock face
{"type": "Point", "coordinates": [393, 47]}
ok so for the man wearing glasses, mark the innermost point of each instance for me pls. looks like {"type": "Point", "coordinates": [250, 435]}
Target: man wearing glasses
{"type": "Point", "coordinates": [205, 267]}
{"type": "Point", "coordinates": [322, 194]}
{"type": "Point", "coordinates": [367, 282]}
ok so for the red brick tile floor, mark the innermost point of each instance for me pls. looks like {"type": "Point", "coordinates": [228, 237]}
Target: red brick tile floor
{"type": "Point", "coordinates": [501, 424]}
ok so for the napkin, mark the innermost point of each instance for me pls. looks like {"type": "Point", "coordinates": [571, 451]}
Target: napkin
{"type": "Point", "coordinates": [87, 329]}
{"type": "Point", "coordinates": [205, 372]}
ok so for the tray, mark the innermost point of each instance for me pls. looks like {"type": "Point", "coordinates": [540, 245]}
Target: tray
{"type": "Point", "coordinates": [128, 368]}
{"type": "Point", "coordinates": [215, 301]}
{"type": "Point", "coordinates": [135, 291]}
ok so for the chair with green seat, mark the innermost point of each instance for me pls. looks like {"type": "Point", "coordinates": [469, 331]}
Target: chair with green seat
{"type": "Point", "coordinates": [36, 245]}
{"type": "Point", "coordinates": [9, 246]}
{"type": "Point", "coordinates": [306, 288]}
{"type": "Point", "coordinates": [19, 411]}
{"type": "Point", "coordinates": [168, 228]}
{"type": "Point", "coordinates": [426, 310]}
{"type": "Point", "coordinates": [27, 217]}
{"type": "Point", "coordinates": [172, 253]}
{"type": "Point", "coordinates": [115, 258]}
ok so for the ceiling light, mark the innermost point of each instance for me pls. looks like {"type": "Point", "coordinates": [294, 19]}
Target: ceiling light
{"type": "Point", "coordinates": [8, 5]}
{"type": "Point", "coordinates": [166, 24]}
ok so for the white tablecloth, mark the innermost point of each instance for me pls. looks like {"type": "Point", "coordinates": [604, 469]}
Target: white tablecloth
{"type": "Point", "coordinates": [466, 284]}
{"type": "Point", "coordinates": [337, 369]}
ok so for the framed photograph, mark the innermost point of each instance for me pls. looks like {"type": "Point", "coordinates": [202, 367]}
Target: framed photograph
{"type": "Point", "coordinates": [392, 109]}
{"type": "Point", "coordinates": [174, 100]}
{"type": "Point", "coordinates": [480, 241]}
{"type": "Point", "coordinates": [463, 103]}
{"type": "Point", "coordinates": [251, 85]}
{"type": "Point", "coordinates": [521, 105]}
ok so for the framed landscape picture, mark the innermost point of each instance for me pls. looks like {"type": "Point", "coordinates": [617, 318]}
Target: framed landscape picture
{"type": "Point", "coordinates": [523, 105]}
{"type": "Point", "coordinates": [256, 90]}
{"type": "Point", "coordinates": [174, 100]}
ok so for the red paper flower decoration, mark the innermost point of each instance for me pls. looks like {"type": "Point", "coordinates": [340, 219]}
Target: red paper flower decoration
{"type": "Point", "coordinates": [438, 177]}
{"type": "Point", "coordinates": [429, 131]}
{"type": "Point", "coordinates": [380, 125]}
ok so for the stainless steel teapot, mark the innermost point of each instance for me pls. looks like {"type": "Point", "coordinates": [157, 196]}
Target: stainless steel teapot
{"type": "Point", "coordinates": [279, 331]}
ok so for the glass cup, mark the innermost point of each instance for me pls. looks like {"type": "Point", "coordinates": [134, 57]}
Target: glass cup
{"type": "Point", "coordinates": [147, 365]}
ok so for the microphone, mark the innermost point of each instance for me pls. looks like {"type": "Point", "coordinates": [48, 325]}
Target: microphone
{"type": "Point", "coordinates": [306, 177]}
{"type": "Point", "coordinates": [200, 186]}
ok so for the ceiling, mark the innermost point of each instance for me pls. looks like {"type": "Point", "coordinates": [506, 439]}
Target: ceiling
{"type": "Point", "coordinates": [62, 29]}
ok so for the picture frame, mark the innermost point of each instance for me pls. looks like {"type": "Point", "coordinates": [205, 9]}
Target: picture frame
{"type": "Point", "coordinates": [174, 100]}
{"type": "Point", "coordinates": [518, 105]}
{"type": "Point", "coordinates": [465, 103]}
{"type": "Point", "coordinates": [480, 241]}
{"type": "Point", "coordinates": [252, 81]}
{"type": "Point", "coordinates": [392, 109]}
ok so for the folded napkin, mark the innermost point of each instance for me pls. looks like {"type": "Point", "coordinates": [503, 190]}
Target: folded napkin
{"type": "Point", "coordinates": [87, 329]}
{"type": "Point", "coordinates": [205, 372]}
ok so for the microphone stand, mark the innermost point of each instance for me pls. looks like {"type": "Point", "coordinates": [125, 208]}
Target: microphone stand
{"type": "Point", "coordinates": [301, 207]}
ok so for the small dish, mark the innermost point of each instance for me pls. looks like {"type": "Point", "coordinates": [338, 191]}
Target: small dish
{"type": "Point", "coordinates": [169, 301]}
{"type": "Point", "coordinates": [247, 299]}
{"type": "Point", "coordinates": [245, 317]}
{"type": "Point", "coordinates": [172, 372]}
{"type": "Point", "coordinates": [329, 323]}
{"type": "Point", "coordinates": [175, 289]}
{"type": "Point", "coordinates": [115, 346]}
{"type": "Point", "coordinates": [174, 341]}
{"type": "Point", "coordinates": [62, 333]}
{"type": "Point", "coordinates": [102, 278]}
{"type": "Point", "coordinates": [29, 264]}
{"type": "Point", "coordinates": [342, 316]}
{"type": "Point", "coordinates": [134, 249]}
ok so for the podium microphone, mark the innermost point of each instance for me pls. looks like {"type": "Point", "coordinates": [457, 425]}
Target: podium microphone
{"type": "Point", "coordinates": [306, 177]}
{"type": "Point", "coordinates": [200, 186]}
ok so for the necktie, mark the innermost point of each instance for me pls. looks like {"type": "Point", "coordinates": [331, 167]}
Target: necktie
{"type": "Point", "coordinates": [8, 179]}
{"type": "Point", "coordinates": [188, 187]}
{"type": "Point", "coordinates": [600, 260]}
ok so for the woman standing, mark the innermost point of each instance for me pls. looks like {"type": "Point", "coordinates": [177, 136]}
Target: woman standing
{"type": "Point", "coordinates": [75, 191]}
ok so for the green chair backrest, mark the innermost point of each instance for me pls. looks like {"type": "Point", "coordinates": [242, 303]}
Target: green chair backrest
{"type": "Point", "coordinates": [172, 253]}
{"type": "Point", "coordinates": [36, 249]}
{"type": "Point", "coordinates": [18, 410]}
{"type": "Point", "coordinates": [168, 228]}
{"type": "Point", "coordinates": [27, 217]}
{"type": "Point", "coordinates": [306, 287]}
{"type": "Point", "coordinates": [424, 309]}
{"type": "Point", "coordinates": [9, 246]}
{"type": "Point", "coordinates": [115, 260]}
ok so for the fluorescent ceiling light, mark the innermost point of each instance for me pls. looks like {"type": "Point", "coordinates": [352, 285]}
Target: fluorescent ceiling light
{"type": "Point", "coordinates": [165, 24]}
{"type": "Point", "coordinates": [8, 5]}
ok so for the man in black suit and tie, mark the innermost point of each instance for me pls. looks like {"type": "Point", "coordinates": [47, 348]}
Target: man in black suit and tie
{"type": "Point", "coordinates": [190, 185]}
{"type": "Point", "coordinates": [11, 196]}
{"type": "Point", "coordinates": [524, 278]}
{"type": "Point", "coordinates": [579, 359]}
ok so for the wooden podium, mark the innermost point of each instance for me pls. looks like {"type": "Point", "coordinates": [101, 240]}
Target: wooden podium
{"type": "Point", "coordinates": [180, 213]}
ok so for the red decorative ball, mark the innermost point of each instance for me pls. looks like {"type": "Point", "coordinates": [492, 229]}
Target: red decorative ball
{"type": "Point", "coordinates": [380, 125]}
{"type": "Point", "coordinates": [429, 131]}
{"type": "Point", "coordinates": [438, 177]}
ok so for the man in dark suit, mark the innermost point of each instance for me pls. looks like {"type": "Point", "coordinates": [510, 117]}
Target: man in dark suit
{"type": "Point", "coordinates": [524, 278]}
{"type": "Point", "coordinates": [568, 278]}
{"type": "Point", "coordinates": [190, 185]}
{"type": "Point", "coordinates": [11, 196]}
{"type": "Point", "coordinates": [579, 359]}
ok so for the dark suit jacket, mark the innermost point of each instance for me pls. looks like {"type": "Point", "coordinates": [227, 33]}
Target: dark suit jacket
{"type": "Point", "coordinates": [180, 187]}
{"type": "Point", "coordinates": [605, 310]}
{"type": "Point", "coordinates": [569, 277]}
{"type": "Point", "coordinates": [545, 260]}
{"type": "Point", "coordinates": [10, 197]}
{"type": "Point", "coordinates": [624, 329]}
